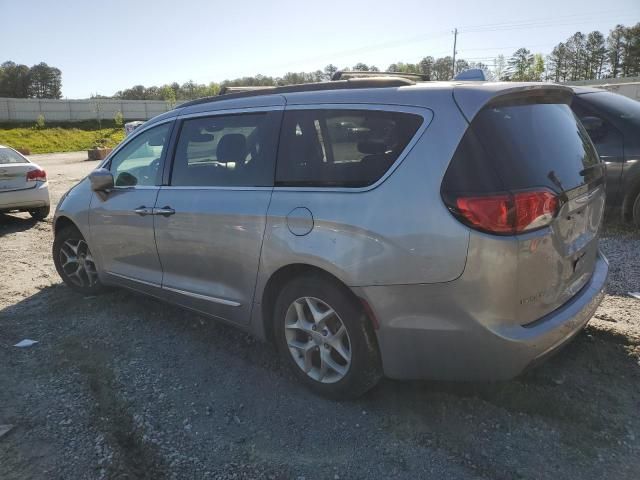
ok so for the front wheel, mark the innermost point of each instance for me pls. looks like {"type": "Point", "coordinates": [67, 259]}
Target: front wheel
{"type": "Point", "coordinates": [326, 338]}
{"type": "Point", "coordinates": [74, 261]}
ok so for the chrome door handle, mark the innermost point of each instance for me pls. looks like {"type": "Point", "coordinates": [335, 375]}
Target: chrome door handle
{"type": "Point", "coordinates": [164, 211]}
{"type": "Point", "coordinates": [142, 211]}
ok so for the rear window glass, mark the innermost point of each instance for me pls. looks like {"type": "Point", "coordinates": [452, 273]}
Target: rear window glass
{"type": "Point", "coordinates": [343, 148]}
{"type": "Point", "coordinates": [520, 147]}
{"type": "Point", "coordinates": [9, 156]}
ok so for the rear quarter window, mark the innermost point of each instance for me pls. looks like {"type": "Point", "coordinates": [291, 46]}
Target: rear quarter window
{"type": "Point", "coordinates": [341, 148]}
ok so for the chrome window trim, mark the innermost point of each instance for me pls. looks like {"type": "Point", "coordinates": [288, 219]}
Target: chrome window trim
{"type": "Point", "coordinates": [426, 114]}
{"type": "Point", "coordinates": [232, 111]}
{"type": "Point", "coordinates": [208, 298]}
{"type": "Point", "coordinates": [190, 187]}
{"type": "Point", "coordinates": [136, 187]}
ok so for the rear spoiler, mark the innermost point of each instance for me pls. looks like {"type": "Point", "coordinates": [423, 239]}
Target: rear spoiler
{"type": "Point", "coordinates": [473, 97]}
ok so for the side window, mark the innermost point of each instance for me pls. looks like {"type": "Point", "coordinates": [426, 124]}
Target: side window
{"type": "Point", "coordinates": [604, 135]}
{"type": "Point", "coordinates": [227, 150]}
{"type": "Point", "coordinates": [341, 148]}
{"type": "Point", "coordinates": [138, 162]}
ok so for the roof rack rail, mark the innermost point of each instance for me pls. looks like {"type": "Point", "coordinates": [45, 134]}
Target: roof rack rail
{"type": "Point", "coordinates": [228, 89]}
{"type": "Point", "coordinates": [380, 81]}
{"type": "Point", "coordinates": [347, 74]}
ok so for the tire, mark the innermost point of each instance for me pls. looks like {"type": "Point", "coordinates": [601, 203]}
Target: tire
{"type": "Point", "coordinates": [74, 262]}
{"type": "Point", "coordinates": [322, 347]}
{"type": "Point", "coordinates": [635, 212]}
{"type": "Point", "coordinates": [40, 213]}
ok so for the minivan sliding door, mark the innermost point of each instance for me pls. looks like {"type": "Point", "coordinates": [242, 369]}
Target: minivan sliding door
{"type": "Point", "coordinates": [210, 219]}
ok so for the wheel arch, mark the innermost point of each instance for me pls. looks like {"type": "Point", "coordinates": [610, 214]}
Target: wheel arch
{"type": "Point", "coordinates": [632, 191]}
{"type": "Point", "coordinates": [63, 222]}
{"type": "Point", "coordinates": [285, 274]}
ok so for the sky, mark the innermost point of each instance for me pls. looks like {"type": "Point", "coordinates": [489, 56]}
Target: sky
{"type": "Point", "coordinates": [102, 47]}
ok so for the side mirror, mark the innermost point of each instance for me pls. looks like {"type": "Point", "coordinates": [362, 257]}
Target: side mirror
{"type": "Point", "coordinates": [101, 180]}
{"type": "Point", "coordinates": [592, 124]}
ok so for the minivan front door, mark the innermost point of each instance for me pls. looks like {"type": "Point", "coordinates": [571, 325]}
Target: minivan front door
{"type": "Point", "coordinates": [121, 220]}
{"type": "Point", "coordinates": [211, 217]}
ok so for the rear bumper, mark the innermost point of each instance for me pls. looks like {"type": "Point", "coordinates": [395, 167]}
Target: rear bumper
{"type": "Point", "coordinates": [423, 334]}
{"type": "Point", "coordinates": [25, 199]}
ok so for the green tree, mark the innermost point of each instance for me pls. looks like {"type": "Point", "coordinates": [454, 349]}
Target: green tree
{"type": "Point", "coordinates": [615, 49]}
{"type": "Point", "coordinates": [329, 71]}
{"type": "Point", "coordinates": [576, 55]}
{"type": "Point", "coordinates": [360, 67]}
{"type": "Point", "coordinates": [596, 55]}
{"type": "Point", "coordinates": [520, 65]}
{"type": "Point", "coordinates": [14, 80]}
{"type": "Point", "coordinates": [461, 66]}
{"type": "Point", "coordinates": [118, 119]}
{"type": "Point", "coordinates": [443, 68]}
{"type": "Point", "coordinates": [537, 71]}
{"type": "Point", "coordinates": [425, 66]}
{"type": "Point", "coordinates": [557, 63]}
{"type": "Point", "coordinates": [44, 81]}
{"type": "Point", "coordinates": [631, 51]}
{"type": "Point", "coordinates": [168, 94]}
{"type": "Point", "coordinates": [499, 67]}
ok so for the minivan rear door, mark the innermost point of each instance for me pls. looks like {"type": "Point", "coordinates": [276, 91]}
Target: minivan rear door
{"type": "Point", "coordinates": [530, 141]}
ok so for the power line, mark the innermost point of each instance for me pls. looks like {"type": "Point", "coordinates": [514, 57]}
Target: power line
{"type": "Point", "coordinates": [531, 25]}
{"type": "Point", "coordinates": [379, 46]}
{"type": "Point", "coordinates": [546, 20]}
{"type": "Point", "coordinates": [577, 19]}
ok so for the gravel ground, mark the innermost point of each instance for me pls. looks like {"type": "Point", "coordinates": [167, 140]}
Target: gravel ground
{"type": "Point", "coordinates": [122, 386]}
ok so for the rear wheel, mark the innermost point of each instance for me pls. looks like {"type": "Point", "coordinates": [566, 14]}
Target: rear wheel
{"type": "Point", "coordinates": [326, 338]}
{"type": "Point", "coordinates": [40, 213]}
{"type": "Point", "coordinates": [74, 261]}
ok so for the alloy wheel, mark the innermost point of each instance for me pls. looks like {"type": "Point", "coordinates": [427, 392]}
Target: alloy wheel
{"type": "Point", "coordinates": [318, 340]}
{"type": "Point", "coordinates": [77, 263]}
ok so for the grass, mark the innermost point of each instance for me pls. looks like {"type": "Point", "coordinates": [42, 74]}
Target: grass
{"type": "Point", "coordinates": [59, 137]}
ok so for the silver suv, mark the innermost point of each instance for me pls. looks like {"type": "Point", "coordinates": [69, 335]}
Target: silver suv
{"type": "Point", "coordinates": [367, 226]}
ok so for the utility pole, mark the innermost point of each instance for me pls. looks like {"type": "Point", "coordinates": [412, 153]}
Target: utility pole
{"type": "Point", "coordinates": [455, 39]}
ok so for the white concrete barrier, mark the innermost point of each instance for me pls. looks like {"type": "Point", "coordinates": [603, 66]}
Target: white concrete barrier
{"type": "Point", "coordinates": [28, 109]}
{"type": "Point", "coordinates": [629, 87]}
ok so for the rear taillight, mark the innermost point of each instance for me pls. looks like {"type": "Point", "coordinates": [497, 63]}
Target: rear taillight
{"type": "Point", "coordinates": [36, 175]}
{"type": "Point", "coordinates": [508, 213]}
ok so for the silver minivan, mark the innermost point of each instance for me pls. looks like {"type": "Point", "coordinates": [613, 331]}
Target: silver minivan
{"type": "Point", "coordinates": [367, 227]}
